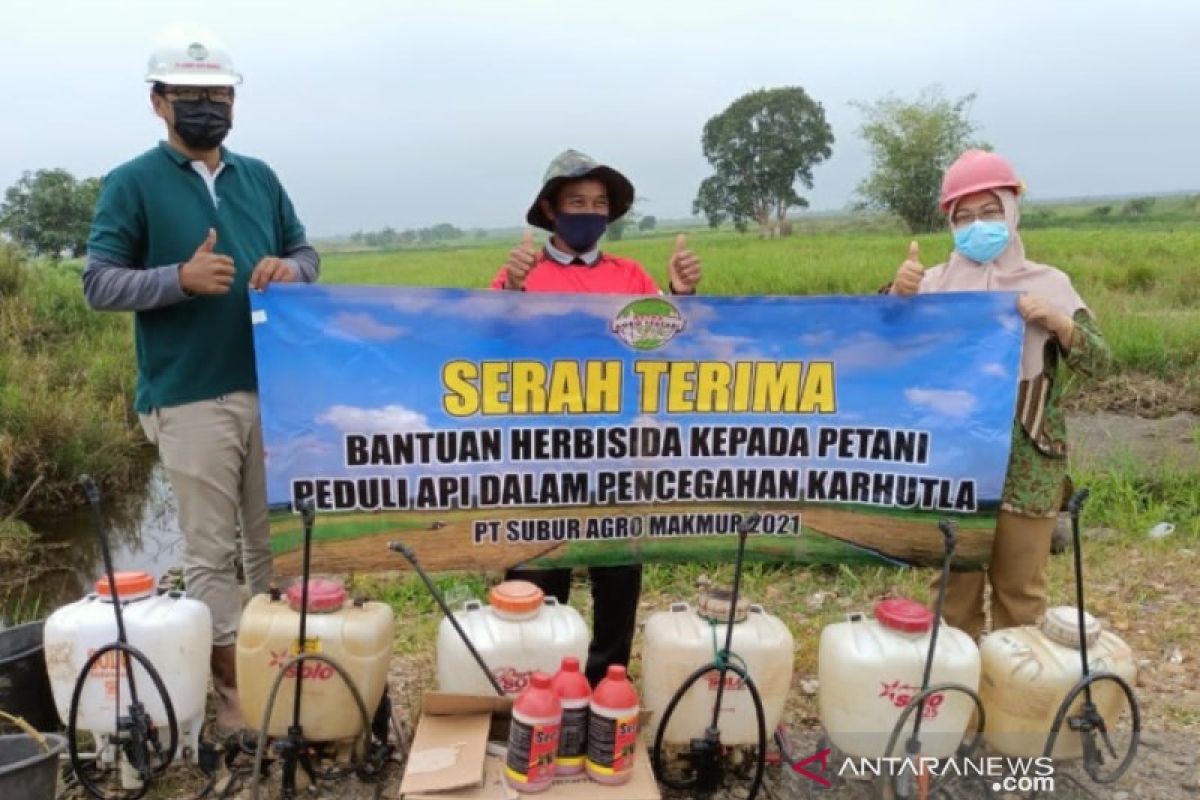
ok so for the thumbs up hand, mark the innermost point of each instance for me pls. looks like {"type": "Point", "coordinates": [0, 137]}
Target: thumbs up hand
{"type": "Point", "coordinates": [908, 277]}
{"type": "Point", "coordinates": [207, 272]}
{"type": "Point", "coordinates": [683, 268]}
{"type": "Point", "coordinates": [521, 261]}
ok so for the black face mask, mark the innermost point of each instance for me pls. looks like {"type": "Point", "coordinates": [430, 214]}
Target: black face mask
{"type": "Point", "coordinates": [580, 232]}
{"type": "Point", "coordinates": [202, 124]}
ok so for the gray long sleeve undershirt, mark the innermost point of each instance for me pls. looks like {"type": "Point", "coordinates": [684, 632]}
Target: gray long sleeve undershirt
{"type": "Point", "coordinates": [109, 285]}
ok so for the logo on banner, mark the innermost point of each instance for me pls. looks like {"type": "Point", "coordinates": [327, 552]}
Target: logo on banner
{"type": "Point", "coordinates": [648, 324]}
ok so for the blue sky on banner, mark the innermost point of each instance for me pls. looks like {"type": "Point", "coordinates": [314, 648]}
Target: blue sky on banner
{"type": "Point", "coordinates": [337, 360]}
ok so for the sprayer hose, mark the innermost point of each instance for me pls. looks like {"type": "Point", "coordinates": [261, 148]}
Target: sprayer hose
{"type": "Point", "coordinates": [269, 710]}
{"type": "Point", "coordinates": [73, 715]}
{"type": "Point", "coordinates": [1091, 768]}
{"type": "Point", "coordinates": [761, 716]}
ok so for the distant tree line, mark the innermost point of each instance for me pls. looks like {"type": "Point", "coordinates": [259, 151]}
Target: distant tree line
{"type": "Point", "coordinates": [763, 147]}
{"type": "Point", "coordinates": [389, 237]}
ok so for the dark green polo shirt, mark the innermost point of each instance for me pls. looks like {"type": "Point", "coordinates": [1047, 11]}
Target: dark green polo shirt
{"type": "Point", "coordinates": [156, 210]}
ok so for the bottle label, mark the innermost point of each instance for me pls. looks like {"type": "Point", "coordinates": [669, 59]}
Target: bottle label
{"type": "Point", "coordinates": [531, 751]}
{"type": "Point", "coordinates": [572, 737]}
{"type": "Point", "coordinates": [611, 743]}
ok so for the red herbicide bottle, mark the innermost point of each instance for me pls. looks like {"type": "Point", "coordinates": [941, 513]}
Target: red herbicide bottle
{"type": "Point", "coordinates": [575, 694]}
{"type": "Point", "coordinates": [613, 728]}
{"type": "Point", "coordinates": [533, 736]}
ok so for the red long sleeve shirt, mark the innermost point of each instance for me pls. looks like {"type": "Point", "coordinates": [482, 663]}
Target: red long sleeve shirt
{"type": "Point", "coordinates": [609, 275]}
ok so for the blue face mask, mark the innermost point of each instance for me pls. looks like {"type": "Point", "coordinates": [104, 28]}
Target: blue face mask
{"type": "Point", "coordinates": [981, 241]}
{"type": "Point", "coordinates": [580, 232]}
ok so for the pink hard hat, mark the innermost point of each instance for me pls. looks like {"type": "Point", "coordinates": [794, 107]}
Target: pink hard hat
{"type": "Point", "coordinates": [977, 171]}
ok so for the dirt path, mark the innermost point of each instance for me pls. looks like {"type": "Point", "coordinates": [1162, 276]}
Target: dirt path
{"type": "Point", "coordinates": [1100, 438]}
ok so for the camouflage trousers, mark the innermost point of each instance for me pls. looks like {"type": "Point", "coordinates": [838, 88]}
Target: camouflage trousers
{"type": "Point", "coordinates": [1016, 572]}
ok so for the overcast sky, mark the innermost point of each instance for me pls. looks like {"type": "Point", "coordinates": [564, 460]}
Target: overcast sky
{"type": "Point", "coordinates": [410, 113]}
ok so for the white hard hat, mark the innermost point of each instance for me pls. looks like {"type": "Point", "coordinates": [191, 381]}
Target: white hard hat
{"type": "Point", "coordinates": [191, 57]}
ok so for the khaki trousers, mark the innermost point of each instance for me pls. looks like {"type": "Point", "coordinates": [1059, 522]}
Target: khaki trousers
{"type": "Point", "coordinates": [1016, 571]}
{"type": "Point", "coordinates": [212, 451]}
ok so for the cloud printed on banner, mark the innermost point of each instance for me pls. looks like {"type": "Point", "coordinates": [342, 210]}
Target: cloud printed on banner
{"type": "Point", "coordinates": [699, 342]}
{"type": "Point", "coordinates": [871, 350]}
{"type": "Point", "coordinates": [817, 339]}
{"type": "Point", "coordinates": [475, 305]}
{"type": "Point", "coordinates": [363, 326]}
{"type": "Point", "coordinates": [387, 419]}
{"type": "Point", "coordinates": [995, 369]}
{"type": "Point", "coordinates": [716, 347]}
{"type": "Point", "coordinates": [955, 403]}
{"type": "Point", "coordinates": [308, 445]}
{"type": "Point", "coordinates": [1009, 320]}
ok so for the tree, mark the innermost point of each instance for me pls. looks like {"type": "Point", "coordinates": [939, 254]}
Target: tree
{"type": "Point", "coordinates": [444, 232]}
{"type": "Point", "coordinates": [647, 223]}
{"type": "Point", "coordinates": [912, 144]}
{"type": "Point", "coordinates": [760, 147]}
{"type": "Point", "coordinates": [615, 231]}
{"type": "Point", "coordinates": [50, 212]}
{"type": "Point", "coordinates": [1138, 207]}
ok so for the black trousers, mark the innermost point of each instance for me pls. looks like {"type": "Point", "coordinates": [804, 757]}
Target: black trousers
{"type": "Point", "coordinates": [615, 593]}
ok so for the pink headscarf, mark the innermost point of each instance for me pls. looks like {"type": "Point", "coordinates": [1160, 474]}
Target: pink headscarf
{"type": "Point", "coordinates": [1009, 272]}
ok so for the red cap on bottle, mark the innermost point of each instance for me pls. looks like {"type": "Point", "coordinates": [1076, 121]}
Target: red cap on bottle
{"type": "Point", "coordinates": [569, 683]}
{"type": "Point", "coordinates": [615, 691]}
{"type": "Point", "coordinates": [537, 700]}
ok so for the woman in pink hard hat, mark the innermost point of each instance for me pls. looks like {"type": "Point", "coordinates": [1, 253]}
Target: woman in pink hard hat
{"type": "Point", "coordinates": [979, 195]}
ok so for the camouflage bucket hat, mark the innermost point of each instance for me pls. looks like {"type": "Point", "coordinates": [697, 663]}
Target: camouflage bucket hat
{"type": "Point", "coordinates": [572, 165]}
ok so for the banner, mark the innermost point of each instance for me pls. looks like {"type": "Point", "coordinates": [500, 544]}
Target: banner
{"type": "Point", "coordinates": [487, 429]}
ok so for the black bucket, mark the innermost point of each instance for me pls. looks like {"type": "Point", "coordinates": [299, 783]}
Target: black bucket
{"type": "Point", "coordinates": [24, 684]}
{"type": "Point", "coordinates": [29, 769]}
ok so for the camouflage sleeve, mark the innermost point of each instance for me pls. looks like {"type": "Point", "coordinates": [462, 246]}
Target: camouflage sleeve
{"type": "Point", "coordinates": [1089, 353]}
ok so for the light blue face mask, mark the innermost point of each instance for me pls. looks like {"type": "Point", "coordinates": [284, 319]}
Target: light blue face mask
{"type": "Point", "coordinates": [981, 241]}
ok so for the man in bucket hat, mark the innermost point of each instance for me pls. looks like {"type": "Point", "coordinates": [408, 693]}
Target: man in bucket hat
{"type": "Point", "coordinates": [579, 198]}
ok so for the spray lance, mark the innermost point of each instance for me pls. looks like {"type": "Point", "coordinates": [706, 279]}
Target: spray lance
{"type": "Point", "coordinates": [407, 552]}
{"type": "Point", "coordinates": [1089, 723]}
{"type": "Point", "coordinates": [912, 746]}
{"type": "Point", "coordinates": [295, 752]}
{"type": "Point", "coordinates": [705, 753]}
{"type": "Point", "coordinates": [141, 752]}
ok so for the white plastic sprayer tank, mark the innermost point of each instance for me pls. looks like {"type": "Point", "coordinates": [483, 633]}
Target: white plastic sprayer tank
{"type": "Point", "coordinates": [1028, 671]}
{"type": "Point", "coordinates": [520, 631]}
{"type": "Point", "coordinates": [870, 669]}
{"type": "Point", "coordinates": [173, 631]}
{"type": "Point", "coordinates": [357, 635]}
{"type": "Point", "coordinates": [682, 639]}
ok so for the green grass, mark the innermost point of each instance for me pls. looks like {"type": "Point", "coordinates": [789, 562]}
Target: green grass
{"type": "Point", "coordinates": [333, 530]}
{"type": "Point", "coordinates": [66, 388]}
{"type": "Point", "coordinates": [16, 541]}
{"type": "Point", "coordinates": [416, 611]}
{"type": "Point", "coordinates": [1142, 280]}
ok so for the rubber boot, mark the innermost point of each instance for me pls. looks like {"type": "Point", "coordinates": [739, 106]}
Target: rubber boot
{"type": "Point", "coordinates": [224, 677]}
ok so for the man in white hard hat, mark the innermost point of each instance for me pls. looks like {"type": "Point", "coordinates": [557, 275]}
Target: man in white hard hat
{"type": "Point", "coordinates": [181, 233]}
